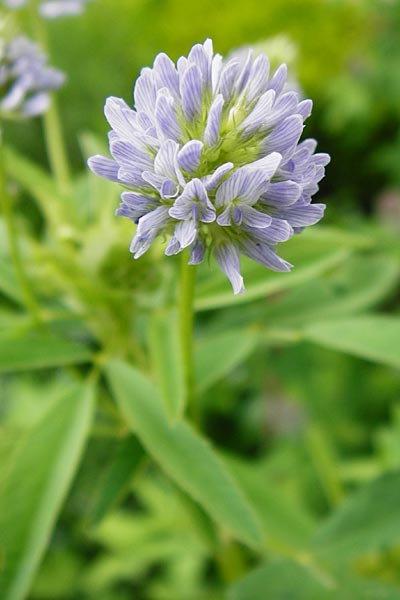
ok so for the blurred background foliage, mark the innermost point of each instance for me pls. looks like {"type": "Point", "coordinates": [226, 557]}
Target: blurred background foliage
{"type": "Point", "coordinates": [298, 380]}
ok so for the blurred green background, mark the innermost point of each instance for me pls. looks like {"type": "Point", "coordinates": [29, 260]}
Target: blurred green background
{"type": "Point", "coordinates": [307, 412]}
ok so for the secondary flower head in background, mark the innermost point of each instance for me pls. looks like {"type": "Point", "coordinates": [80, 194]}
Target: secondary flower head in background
{"type": "Point", "coordinates": [211, 159]}
{"type": "Point", "coordinates": [25, 78]}
{"type": "Point", "coordinates": [51, 9]}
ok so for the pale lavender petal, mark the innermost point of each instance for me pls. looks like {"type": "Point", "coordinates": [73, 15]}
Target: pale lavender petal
{"type": "Point", "coordinates": [286, 135]}
{"type": "Point", "coordinates": [61, 8]}
{"type": "Point", "coordinates": [305, 215]}
{"type": "Point", "coordinates": [156, 219]}
{"type": "Point", "coordinates": [145, 92]}
{"type": "Point", "coordinates": [189, 156]}
{"type": "Point", "coordinates": [304, 108]}
{"type": "Point", "coordinates": [135, 205]}
{"type": "Point", "coordinates": [285, 105]}
{"type": "Point", "coordinates": [259, 113]}
{"type": "Point", "coordinates": [165, 163]}
{"type": "Point", "coordinates": [191, 92]}
{"type": "Point", "coordinates": [104, 167]}
{"type": "Point", "coordinates": [173, 247]}
{"type": "Point", "coordinates": [211, 181]}
{"type": "Point", "coordinates": [227, 257]}
{"type": "Point", "coordinates": [212, 130]}
{"type": "Point", "coordinates": [201, 55]}
{"type": "Point", "coordinates": [197, 251]}
{"type": "Point", "coordinates": [168, 74]}
{"type": "Point", "coordinates": [278, 80]}
{"type": "Point", "coordinates": [264, 254]}
{"type": "Point", "coordinates": [121, 118]}
{"type": "Point", "coordinates": [255, 218]}
{"type": "Point", "coordinates": [36, 105]}
{"type": "Point", "coordinates": [130, 157]}
{"type": "Point", "coordinates": [169, 189]}
{"type": "Point", "coordinates": [167, 124]}
{"type": "Point", "coordinates": [227, 78]}
{"type": "Point", "coordinates": [185, 232]}
{"type": "Point", "coordinates": [258, 80]}
{"type": "Point", "coordinates": [282, 193]}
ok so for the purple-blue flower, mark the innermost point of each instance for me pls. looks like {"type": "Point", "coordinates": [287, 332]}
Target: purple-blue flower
{"type": "Point", "coordinates": [211, 159]}
{"type": "Point", "coordinates": [52, 9]}
{"type": "Point", "coordinates": [25, 79]}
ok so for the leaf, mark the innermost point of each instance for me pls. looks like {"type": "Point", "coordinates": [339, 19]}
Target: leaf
{"type": "Point", "coordinates": [375, 338]}
{"type": "Point", "coordinates": [286, 580]}
{"type": "Point", "coordinates": [167, 361]}
{"type": "Point", "coordinates": [127, 458]}
{"type": "Point", "coordinates": [284, 523]}
{"type": "Point", "coordinates": [22, 350]}
{"type": "Point", "coordinates": [8, 281]}
{"type": "Point", "coordinates": [216, 356]}
{"type": "Point", "coordinates": [368, 520]}
{"type": "Point", "coordinates": [35, 479]}
{"type": "Point", "coordinates": [312, 253]}
{"type": "Point", "coordinates": [187, 458]}
{"type": "Point", "coordinates": [355, 286]}
{"type": "Point", "coordinates": [34, 179]}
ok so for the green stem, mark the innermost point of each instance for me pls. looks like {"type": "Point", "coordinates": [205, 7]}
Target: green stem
{"type": "Point", "coordinates": [28, 296]}
{"type": "Point", "coordinates": [54, 138]}
{"type": "Point", "coordinates": [322, 456]}
{"type": "Point", "coordinates": [186, 322]}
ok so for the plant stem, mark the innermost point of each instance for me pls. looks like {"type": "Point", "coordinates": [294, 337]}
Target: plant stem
{"type": "Point", "coordinates": [186, 321]}
{"type": "Point", "coordinates": [28, 296]}
{"type": "Point", "coordinates": [54, 138]}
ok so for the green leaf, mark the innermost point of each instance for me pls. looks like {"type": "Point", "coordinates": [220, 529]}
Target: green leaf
{"type": "Point", "coordinates": [312, 253]}
{"type": "Point", "coordinates": [217, 355]}
{"type": "Point", "coordinates": [375, 338]}
{"type": "Point", "coordinates": [355, 286]}
{"type": "Point", "coordinates": [187, 458]}
{"type": "Point", "coordinates": [286, 526]}
{"type": "Point", "coordinates": [124, 463]}
{"type": "Point", "coordinates": [286, 580]}
{"type": "Point", "coordinates": [22, 350]}
{"type": "Point", "coordinates": [35, 479]}
{"type": "Point", "coordinates": [8, 281]}
{"type": "Point", "coordinates": [34, 179]}
{"type": "Point", "coordinates": [368, 520]}
{"type": "Point", "coordinates": [167, 361]}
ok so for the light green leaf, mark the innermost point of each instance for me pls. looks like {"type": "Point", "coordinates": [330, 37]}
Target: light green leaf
{"type": "Point", "coordinates": [167, 361]}
{"type": "Point", "coordinates": [355, 286]}
{"type": "Point", "coordinates": [286, 580]}
{"type": "Point", "coordinates": [187, 458]}
{"type": "Point", "coordinates": [36, 473]}
{"type": "Point", "coordinates": [34, 179]}
{"type": "Point", "coordinates": [368, 520]}
{"type": "Point", "coordinates": [8, 281]}
{"type": "Point", "coordinates": [22, 350]}
{"type": "Point", "coordinates": [315, 251]}
{"type": "Point", "coordinates": [124, 463]}
{"type": "Point", "coordinates": [217, 355]}
{"type": "Point", "coordinates": [375, 338]}
{"type": "Point", "coordinates": [286, 526]}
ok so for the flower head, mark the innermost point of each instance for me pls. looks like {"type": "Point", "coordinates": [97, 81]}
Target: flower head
{"type": "Point", "coordinates": [51, 9]}
{"type": "Point", "coordinates": [25, 78]}
{"type": "Point", "coordinates": [210, 158]}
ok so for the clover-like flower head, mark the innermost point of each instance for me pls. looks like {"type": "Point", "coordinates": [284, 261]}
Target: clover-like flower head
{"type": "Point", "coordinates": [211, 160]}
{"type": "Point", "coordinates": [52, 9]}
{"type": "Point", "coordinates": [25, 78]}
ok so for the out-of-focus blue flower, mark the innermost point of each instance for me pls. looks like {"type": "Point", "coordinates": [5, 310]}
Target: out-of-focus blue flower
{"type": "Point", "coordinates": [52, 9]}
{"type": "Point", "coordinates": [210, 158]}
{"type": "Point", "coordinates": [25, 79]}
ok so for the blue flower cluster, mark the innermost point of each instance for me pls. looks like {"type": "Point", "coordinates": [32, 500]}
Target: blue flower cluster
{"type": "Point", "coordinates": [25, 79]}
{"type": "Point", "coordinates": [210, 159]}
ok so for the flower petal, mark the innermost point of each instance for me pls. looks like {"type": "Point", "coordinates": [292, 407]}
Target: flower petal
{"type": "Point", "coordinates": [227, 256]}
